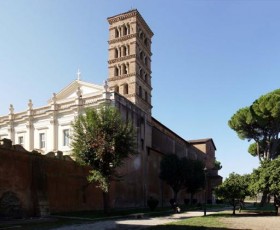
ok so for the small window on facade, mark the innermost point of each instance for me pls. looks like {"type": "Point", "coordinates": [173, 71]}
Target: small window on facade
{"type": "Point", "coordinates": [66, 137]}
{"type": "Point", "coordinates": [42, 140]}
{"type": "Point", "coordinates": [20, 140]}
{"type": "Point", "coordinates": [146, 96]}
{"type": "Point", "coordinates": [116, 89]}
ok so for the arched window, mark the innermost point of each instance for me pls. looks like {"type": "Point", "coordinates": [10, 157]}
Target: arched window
{"type": "Point", "coordinates": [125, 89]}
{"type": "Point", "coordinates": [124, 30]}
{"type": "Point", "coordinates": [117, 34]}
{"type": "Point", "coordinates": [141, 55]}
{"type": "Point", "coordinates": [146, 42]}
{"type": "Point", "coordinates": [116, 53]}
{"type": "Point", "coordinates": [128, 28]}
{"type": "Point", "coordinates": [117, 88]}
{"type": "Point", "coordinates": [127, 50]}
{"type": "Point", "coordinates": [141, 73]}
{"type": "Point", "coordinates": [124, 51]}
{"type": "Point", "coordinates": [124, 70]}
{"type": "Point", "coordinates": [140, 91]}
{"type": "Point", "coordinates": [117, 71]}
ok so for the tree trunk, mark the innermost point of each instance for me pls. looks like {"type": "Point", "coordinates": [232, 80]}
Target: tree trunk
{"type": "Point", "coordinates": [264, 198]}
{"type": "Point", "coordinates": [234, 206]}
{"type": "Point", "coordinates": [106, 205]}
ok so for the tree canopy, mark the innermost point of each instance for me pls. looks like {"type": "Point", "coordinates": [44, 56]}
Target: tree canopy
{"type": "Point", "coordinates": [102, 140]}
{"type": "Point", "coordinates": [234, 189]}
{"type": "Point", "coordinates": [182, 173]}
{"type": "Point", "coordinates": [260, 122]}
{"type": "Point", "coordinates": [266, 179]}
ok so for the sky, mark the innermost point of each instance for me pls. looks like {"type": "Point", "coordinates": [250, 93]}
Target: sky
{"type": "Point", "coordinates": [210, 58]}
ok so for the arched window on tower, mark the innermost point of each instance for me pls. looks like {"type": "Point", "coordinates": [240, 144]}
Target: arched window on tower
{"type": "Point", "coordinates": [128, 28]}
{"type": "Point", "coordinates": [145, 77]}
{"type": "Point", "coordinates": [124, 70]}
{"type": "Point", "coordinates": [117, 72]}
{"type": "Point", "coordinates": [141, 73]}
{"type": "Point", "coordinates": [141, 55]}
{"type": "Point", "coordinates": [124, 30]}
{"type": "Point", "coordinates": [146, 42]}
{"type": "Point", "coordinates": [140, 91]}
{"type": "Point", "coordinates": [146, 96]}
{"type": "Point", "coordinates": [127, 50]}
{"type": "Point", "coordinates": [116, 53]}
{"type": "Point", "coordinates": [125, 89]}
{"type": "Point", "coordinates": [117, 34]}
{"type": "Point", "coordinates": [124, 51]}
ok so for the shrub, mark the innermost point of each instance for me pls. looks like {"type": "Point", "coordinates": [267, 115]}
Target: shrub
{"type": "Point", "coordinates": [152, 203]}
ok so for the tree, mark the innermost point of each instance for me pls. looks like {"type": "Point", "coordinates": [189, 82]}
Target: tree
{"type": "Point", "coordinates": [172, 171]}
{"type": "Point", "coordinates": [260, 122]}
{"type": "Point", "coordinates": [182, 173]}
{"type": "Point", "coordinates": [218, 165]}
{"type": "Point", "coordinates": [234, 189]}
{"type": "Point", "coordinates": [102, 140]}
{"type": "Point", "coordinates": [195, 177]}
{"type": "Point", "coordinates": [266, 178]}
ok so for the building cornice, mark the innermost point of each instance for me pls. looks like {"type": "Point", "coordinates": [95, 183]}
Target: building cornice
{"type": "Point", "coordinates": [130, 14]}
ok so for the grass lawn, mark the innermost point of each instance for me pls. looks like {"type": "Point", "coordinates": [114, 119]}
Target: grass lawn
{"type": "Point", "coordinates": [211, 222]}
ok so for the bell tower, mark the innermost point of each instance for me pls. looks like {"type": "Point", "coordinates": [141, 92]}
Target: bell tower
{"type": "Point", "coordinates": [129, 61]}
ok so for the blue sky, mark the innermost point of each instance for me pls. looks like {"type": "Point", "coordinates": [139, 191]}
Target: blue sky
{"type": "Point", "coordinates": [210, 58]}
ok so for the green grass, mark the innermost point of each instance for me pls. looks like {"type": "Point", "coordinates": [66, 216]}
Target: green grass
{"type": "Point", "coordinates": [211, 222]}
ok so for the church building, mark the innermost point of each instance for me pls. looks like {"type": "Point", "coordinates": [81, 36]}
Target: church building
{"type": "Point", "coordinates": [129, 88]}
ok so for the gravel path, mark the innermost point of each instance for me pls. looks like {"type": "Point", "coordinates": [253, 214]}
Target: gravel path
{"type": "Point", "coordinates": [132, 223]}
{"type": "Point", "coordinates": [235, 222]}
{"type": "Point", "coordinates": [253, 222]}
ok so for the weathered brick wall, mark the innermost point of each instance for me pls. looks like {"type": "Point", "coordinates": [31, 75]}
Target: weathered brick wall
{"type": "Point", "coordinates": [45, 184]}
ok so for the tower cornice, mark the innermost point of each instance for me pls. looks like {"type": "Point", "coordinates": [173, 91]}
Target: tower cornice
{"type": "Point", "coordinates": [130, 14]}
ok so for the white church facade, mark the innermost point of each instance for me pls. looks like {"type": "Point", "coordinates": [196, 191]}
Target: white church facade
{"type": "Point", "coordinates": [47, 129]}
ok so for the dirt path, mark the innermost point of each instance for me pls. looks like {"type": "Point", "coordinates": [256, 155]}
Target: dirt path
{"type": "Point", "coordinates": [253, 222]}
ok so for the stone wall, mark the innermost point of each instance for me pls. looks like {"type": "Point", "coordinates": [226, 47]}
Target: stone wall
{"type": "Point", "coordinates": [35, 185]}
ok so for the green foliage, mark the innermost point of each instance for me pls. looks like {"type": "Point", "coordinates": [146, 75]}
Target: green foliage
{"type": "Point", "coordinates": [102, 140]}
{"type": "Point", "coordinates": [218, 165]}
{"type": "Point", "coordinates": [182, 173]}
{"type": "Point", "coordinates": [195, 176]}
{"type": "Point", "coordinates": [172, 172]}
{"type": "Point", "coordinates": [260, 122]}
{"type": "Point", "coordinates": [234, 189]}
{"type": "Point", "coordinates": [266, 179]}
{"type": "Point", "coordinates": [152, 203]}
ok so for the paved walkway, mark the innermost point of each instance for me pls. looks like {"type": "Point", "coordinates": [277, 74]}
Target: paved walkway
{"type": "Point", "coordinates": [133, 223]}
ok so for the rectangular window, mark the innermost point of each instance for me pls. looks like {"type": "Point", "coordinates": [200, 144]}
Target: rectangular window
{"type": "Point", "coordinates": [42, 140]}
{"type": "Point", "coordinates": [66, 137]}
{"type": "Point", "coordinates": [20, 140]}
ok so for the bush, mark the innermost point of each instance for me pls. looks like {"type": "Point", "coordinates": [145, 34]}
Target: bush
{"type": "Point", "coordinates": [187, 201]}
{"type": "Point", "coordinates": [152, 203]}
{"type": "Point", "coordinates": [194, 201]}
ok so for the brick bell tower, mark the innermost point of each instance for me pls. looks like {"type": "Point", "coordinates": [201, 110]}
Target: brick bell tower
{"type": "Point", "coordinates": [129, 61]}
